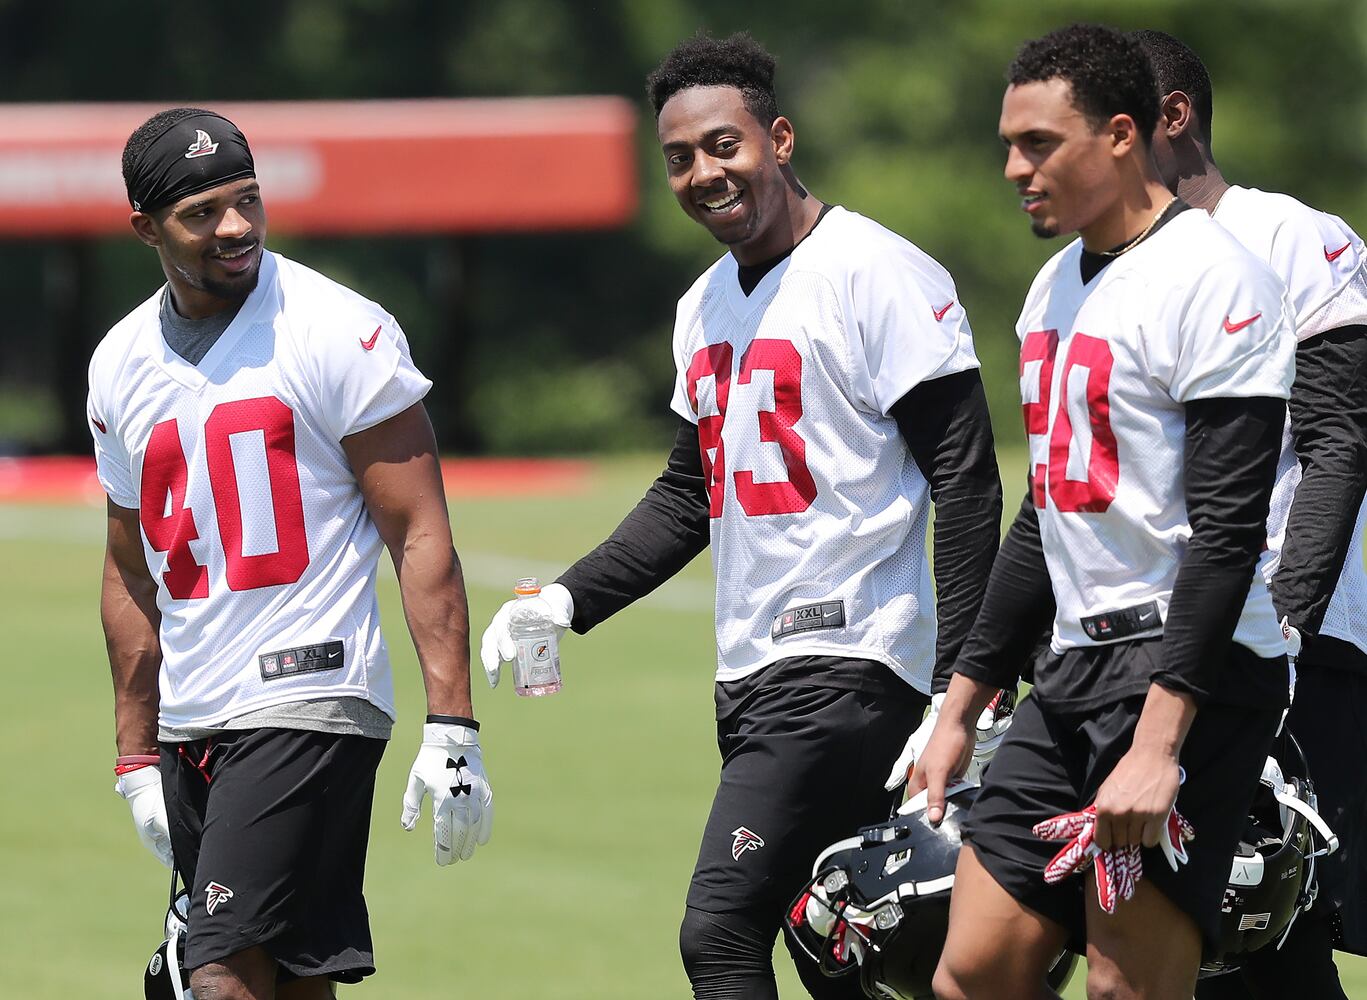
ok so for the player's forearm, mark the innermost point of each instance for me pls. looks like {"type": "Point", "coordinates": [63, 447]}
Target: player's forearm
{"type": "Point", "coordinates": [1230, 463]}
{"type": "Point", "coordinates": [948, 429]}
{"type": "Point", "coordinates": [1164, 721]}
{"type": "Point", "coordinates": [965, 699]}
{"type": "Point", "coordinates": [128, 610]}
{"type": "Point", "coordinates": [662, 534]}
{"type": "Point", "coordinates": [1329, 431]}
{"type": "Point", "coordinates": [1016, 609]}
{"type": "Point", "coordinates": [432, 589]}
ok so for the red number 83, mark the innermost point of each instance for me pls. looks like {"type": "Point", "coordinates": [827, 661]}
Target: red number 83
{"type": "Point", "coordinates": [790, 496]}
{"type": "Point", "coordinates": [1095, 494]}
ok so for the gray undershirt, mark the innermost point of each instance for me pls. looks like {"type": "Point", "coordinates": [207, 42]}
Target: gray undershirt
{"type": "Point", "coordinates": [192, 339]}
{"type": "Point", "coordinates": [343, 716]}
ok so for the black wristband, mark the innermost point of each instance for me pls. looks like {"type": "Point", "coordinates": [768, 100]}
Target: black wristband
{"type": "Point", "coordinates": [455, 720]}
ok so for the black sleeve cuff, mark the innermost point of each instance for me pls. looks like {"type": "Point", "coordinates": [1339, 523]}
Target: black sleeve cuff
{"type": "Point", "coordinates": [948, 431]}
{"type": "Point", "coordinates": [1017, 608]}
{"type": "Point", "coordinates": [1329, 432]}
{"type": "Point", "coordinates": [1231, 454]}
{"type": "Point", "coordinates": [454, 720]}
{"type": "Point", "coordinates": [667, 528]}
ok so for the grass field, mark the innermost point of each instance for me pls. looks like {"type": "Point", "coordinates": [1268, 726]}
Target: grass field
{"type": "Point", "coordinates": [601, 790]}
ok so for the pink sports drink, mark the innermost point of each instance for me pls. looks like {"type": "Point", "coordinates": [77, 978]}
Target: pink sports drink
{"type": "Point", "coordinates": [536, 670]}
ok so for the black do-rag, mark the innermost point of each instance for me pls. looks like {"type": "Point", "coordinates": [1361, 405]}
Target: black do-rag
{"type": "Point", "coordinates": [191, 155]}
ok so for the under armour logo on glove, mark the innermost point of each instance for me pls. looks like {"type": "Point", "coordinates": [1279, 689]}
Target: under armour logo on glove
{"type": "Point", "coordinates": [450, 768]}
{"type": "Point", "coordinates": [1118, 870]}
{"type": "Point", "coordinates": [460, 787]}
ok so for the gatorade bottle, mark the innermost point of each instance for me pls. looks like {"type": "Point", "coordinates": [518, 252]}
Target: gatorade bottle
{"type": "Point", "coordinates": [536, 671]}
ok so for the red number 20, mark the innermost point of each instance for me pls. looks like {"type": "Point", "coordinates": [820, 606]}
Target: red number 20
{"type": "Point", "coordinates": [170, 529]}
{"type": "Point", "coordinates": [790, 496]}
{"type": "Point", "coordinates": [1103, 463]}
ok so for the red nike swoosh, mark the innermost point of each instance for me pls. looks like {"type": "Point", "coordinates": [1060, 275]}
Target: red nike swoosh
{"type": "Point", "coordinates": [939, 314]}
{"type": "Point", "coordinates": [99, 425]}
{"type": "Point", "coordinates": [1236, 327]}
{"type": "Point", "coordinates": [369, 345]}
{"type": "Point", "coordinates": [1333, 255]}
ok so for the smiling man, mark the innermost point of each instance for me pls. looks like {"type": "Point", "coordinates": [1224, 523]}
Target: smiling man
{"type": "Point", "coordinates": [1156, 358]}
{"type": "Point", "coordinates": [261, 435]}
{"type": "Point", "coordinates": [827, 393]}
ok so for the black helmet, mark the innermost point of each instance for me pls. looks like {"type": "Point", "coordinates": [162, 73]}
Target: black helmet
{"type": "Point", "coordinates": [1272, 879]}
{"type": "Point", "coordinates": [165, 977]}
{"type": "Point", "coordinates": [879, 901]}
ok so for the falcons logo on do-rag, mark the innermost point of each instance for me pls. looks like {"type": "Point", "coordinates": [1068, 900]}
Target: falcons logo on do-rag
{"type": "Point", "coordinates": [746, 840]}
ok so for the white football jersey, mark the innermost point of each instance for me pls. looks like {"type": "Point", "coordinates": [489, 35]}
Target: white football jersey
{"type": "Point", "coordinates": [818, 509]}
{"type": "Point", "coordinates": [1324, 265]}
{"type": "Point", "coordinates": [252, 522]}
{"type": "Point", "coordinates": [1106, 370]}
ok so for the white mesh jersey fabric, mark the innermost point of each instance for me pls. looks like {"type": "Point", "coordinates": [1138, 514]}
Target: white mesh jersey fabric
{"type": "Point", "coordinates": [253, 524]}
{"type": "Point", "coordinates": [816, 500]}
{"type": "Point", "coordinates": [1106, 371]}
{"type": "Point", "coordinates": [1324, 264]}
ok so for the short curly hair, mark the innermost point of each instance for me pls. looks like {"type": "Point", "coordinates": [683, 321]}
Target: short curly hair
{"type": "Point", "coordinates": [1107, 70]}
{"type": "Point", "coordinates": [149, 132]}
{"type": "Point", "coordinates": [1176, 67]}
{"type": "Point", "coordinates": [703, 61]}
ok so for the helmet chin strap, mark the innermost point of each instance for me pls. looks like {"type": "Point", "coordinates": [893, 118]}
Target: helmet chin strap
{"type": "Point", "coordinates": [1331, 840]}
{"type": "Point", "coordinates": [182, 990]}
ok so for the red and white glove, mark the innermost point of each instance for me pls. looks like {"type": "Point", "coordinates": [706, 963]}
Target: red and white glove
{"type": "Point", "coordinates": [1118, 870]}
{"type": "Point", "coordinates": [140, 785]}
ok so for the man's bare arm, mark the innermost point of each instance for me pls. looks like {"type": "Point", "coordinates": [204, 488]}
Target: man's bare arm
{"type": "Point", "coordinates": [128, 609]}
{"type": "Point", "coordinates": [395, 462]}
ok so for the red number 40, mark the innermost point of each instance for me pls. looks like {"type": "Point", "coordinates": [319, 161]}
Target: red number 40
{"type": "Point", "coordinates": [171, 527]}
{"type": "Point", "coordinates": [1094, 494]}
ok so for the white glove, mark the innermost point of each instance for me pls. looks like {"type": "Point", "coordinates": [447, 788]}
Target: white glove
{"type": "Point", "coordinates": [141, 789]}
{"type": "Point", "coordinates": [916, 745]}
{"type": "Point", "coordinates": [553, 606]}
{"type": "Point", "coordinates": [450, 768]}
{"type": "Point", "coordinates": [993, 722]}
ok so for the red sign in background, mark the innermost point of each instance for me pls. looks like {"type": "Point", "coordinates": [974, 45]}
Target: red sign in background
{"type": "Point", "coordinates": [354, 167]}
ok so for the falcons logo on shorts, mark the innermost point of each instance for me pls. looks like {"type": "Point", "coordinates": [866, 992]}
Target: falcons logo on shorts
{"type": "Point", "coordinates": [746, 840]}
{"type": "Point", "coordinates": [216, 894]}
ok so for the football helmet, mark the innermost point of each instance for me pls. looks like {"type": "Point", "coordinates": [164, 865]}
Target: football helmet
{"type": "Point", "coordinates": [165, 977]}
{"type": "Point", "coordinates": [878, 902]}
{"type": "Point", "coordinates": [1272, 879]}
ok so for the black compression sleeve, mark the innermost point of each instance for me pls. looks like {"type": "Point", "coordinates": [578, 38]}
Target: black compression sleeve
{"type": "Point", "coordinates": [1329, 430]}
{"type": "Point", "coordinates": [1230, 462]}
{"type": "Point", "coordinates": [949, 433]}
{"type": "Point", "coordinates": [1017, 607]}
{"type": "Point", "coordinates": [661, 535]}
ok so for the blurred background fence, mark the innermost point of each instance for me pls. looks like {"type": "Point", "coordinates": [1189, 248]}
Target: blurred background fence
{"type": "Point", "coordinates": [546, 342]}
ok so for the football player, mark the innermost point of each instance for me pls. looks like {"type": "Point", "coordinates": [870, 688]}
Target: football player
{"type": "Point", "coordinates": [1320, 596]}
{"type": "Point", "coordinates": [261, 435]}
{"type": "Point", "coordinates": [1156, 358]}
{"type": "Point", "coordinates": [827, 393]}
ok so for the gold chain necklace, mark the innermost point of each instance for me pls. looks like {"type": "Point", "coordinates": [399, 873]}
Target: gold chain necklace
{"type": "Point", "coordinates": [1147, 229]}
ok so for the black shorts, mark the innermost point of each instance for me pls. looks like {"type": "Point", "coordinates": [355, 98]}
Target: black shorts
{"type": "Point", "coordinates": [1329, 719]}
{"type": "Point", "coordinates": [1054, 762]}
{"type": "Point", "coordinates": [269, 831]}
{"type": "Point", "coordinates": [803, 765]}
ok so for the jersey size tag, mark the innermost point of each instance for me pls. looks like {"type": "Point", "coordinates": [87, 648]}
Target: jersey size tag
{"type": "Point", "coordinates": [1125, 621]}
{"type": "Point", "coordinates": [808, 618]}
{"type": "Point", "coordinates": [302, 660]}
